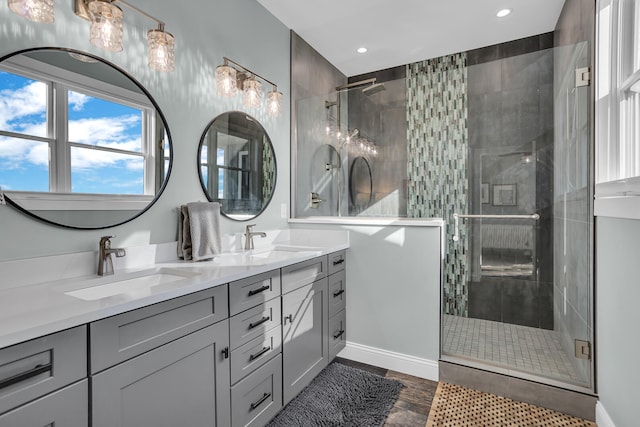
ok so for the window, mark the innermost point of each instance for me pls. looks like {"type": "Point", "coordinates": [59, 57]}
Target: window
{"type": "Point", "coordinates": [618, 109]}
{"type": "Point", "coordinates": [61, 137]}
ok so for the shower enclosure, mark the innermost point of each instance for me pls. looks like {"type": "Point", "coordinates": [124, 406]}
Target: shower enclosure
{"type": "Point", "coordinates": [523, 306]}
{"type": "Point", "coordinates": [499, 149]}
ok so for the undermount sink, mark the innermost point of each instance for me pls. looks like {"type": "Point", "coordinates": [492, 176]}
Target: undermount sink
{"type": "Point", "coordinates": [261, 256]}
{"type": "Point", "coordinates": [132, 285]}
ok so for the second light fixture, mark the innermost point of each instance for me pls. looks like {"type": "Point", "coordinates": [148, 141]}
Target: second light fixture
{"type": "Point", "coordinates": [230, 78]}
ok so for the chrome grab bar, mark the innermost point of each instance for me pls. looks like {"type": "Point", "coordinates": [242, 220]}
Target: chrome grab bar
{"type": "Point", "coordinates": [456, 217]}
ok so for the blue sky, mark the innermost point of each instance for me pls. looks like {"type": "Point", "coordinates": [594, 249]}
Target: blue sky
{"type": "Point", "coordinates": [24, 164]}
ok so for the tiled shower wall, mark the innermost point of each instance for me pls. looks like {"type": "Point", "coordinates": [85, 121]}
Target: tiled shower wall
{"type": "Point", "coordinates": [437, 144]}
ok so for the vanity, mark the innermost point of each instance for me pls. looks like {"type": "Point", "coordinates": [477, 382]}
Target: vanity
{"type": "Point", "coordinates": [226, 342]}
{"type": "Point", "coordinates": [161, 342]}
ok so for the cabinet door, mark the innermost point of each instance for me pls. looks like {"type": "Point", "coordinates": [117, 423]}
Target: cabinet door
{"type": "Point", "coordinates": [305, 337]}
{"type": "Point", "coordinates": [68, 407]}
{"type": "Point", "coordinates": [183, 383]}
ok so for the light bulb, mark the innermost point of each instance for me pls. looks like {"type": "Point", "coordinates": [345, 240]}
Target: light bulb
{"type": "Point", "coordinates": [274, 103]}
{"type": "Point", "coordinates": [226, 83]}
{"type": "Point", "coordinates": [33, 10]}
{"type": "Point", "coordinates": [106, 30]}
{"type": "Point", "coordinates": [161, 50]}
{"type": "Point", "coordinates": [252, 93]}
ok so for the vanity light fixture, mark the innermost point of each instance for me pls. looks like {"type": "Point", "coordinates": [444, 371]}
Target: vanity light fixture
{"type": "Point", "coordinates": [33, 10]}
{"type": "Point", "coordinates": [231, 76]}
{"type": "Point", "coordinates": [106, 31]}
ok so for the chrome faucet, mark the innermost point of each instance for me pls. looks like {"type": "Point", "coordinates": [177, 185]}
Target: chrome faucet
{"type": "Point", "coordinates": [105, 263]}
{"type": "Point", "coordinates": [249, 233]}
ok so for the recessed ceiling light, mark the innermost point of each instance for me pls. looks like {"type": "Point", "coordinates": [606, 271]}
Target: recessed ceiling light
{"type": "Point", "coordinates": [502, 13]}
{"type": "Point", "coordinates": [362, 50]}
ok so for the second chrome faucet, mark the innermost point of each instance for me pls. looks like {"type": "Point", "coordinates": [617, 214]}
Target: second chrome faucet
{"type": "Point", "coordinates": [248, 236]}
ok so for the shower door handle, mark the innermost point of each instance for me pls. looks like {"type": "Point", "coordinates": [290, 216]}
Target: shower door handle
{"type": "Point", "coordinates": [456, 217]}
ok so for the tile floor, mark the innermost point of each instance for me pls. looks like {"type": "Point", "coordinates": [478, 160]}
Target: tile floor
{"type": "Point", "coordinates": [532, 350]}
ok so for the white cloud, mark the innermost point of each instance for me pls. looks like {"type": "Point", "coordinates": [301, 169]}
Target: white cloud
{"type": "Point", "coordinates": [23, 104]}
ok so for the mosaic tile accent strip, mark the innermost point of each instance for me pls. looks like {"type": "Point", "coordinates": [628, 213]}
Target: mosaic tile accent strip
{"type": "Point", "coordinates": [269, 170]}
{"type": "Point", "coordinates": [533, 350]}
{"type": "Point", "coordinates": [455, 406]}
{"type": "Point", "coordinates": [437, 144]}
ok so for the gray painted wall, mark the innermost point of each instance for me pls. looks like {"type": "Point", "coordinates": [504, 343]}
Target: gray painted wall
{"type": "Point", "coordinates": [618, 318]}
{"type": "Point", "coordinates": [205, 31]}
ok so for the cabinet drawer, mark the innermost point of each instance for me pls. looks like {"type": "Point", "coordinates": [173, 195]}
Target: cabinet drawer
{"type": "Point", "coordinates": [337, 261]}
{"type": "Point", "coordinates": [337, 292]}
{"type": "Point", "coordinates": [337, 334]}
{"type": "Point", "coordinates": [68, 407]}
{"type": "Point", "coordinates": [121, 337]}
{"type": "Point", "coordinates": [254, 322]}
{"type": "Point", "coordinates": [303, 273]}
{"type": "Point", "coordinates": [257, 398]}
{"type": "Point", "coordinates": [37, 367]}
{"type": "Point", "coordinates": [247, 358]}
{"type": "Point", "coordinates": [247, 293]}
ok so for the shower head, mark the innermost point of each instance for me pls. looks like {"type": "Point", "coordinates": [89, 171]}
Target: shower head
{"type": "Point", "coordinates": [374, 88]}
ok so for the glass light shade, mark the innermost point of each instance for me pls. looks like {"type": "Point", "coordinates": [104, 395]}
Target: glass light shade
{"type": "Point", "coordinates": [274, 103]}
{"type": "Point", "coordinates": [33, 10]}
{"type": "Point", "coordinates": [161, 50]}
{"type": "Point", "coordinates": [106, 30]}
{"type": "Point", "coordinates": [252, 93]}
{"type": "Point", "coordinates": [226, 83]}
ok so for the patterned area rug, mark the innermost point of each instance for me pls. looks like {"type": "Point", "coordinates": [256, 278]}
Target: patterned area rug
{"type": "Point", "coordinates": [341, 396]}
{"type": "Point", "coordinates": [455, 406]}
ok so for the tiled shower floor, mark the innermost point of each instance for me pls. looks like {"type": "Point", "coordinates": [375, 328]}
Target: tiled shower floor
{"type": "Point", "coordinates": [533, 350]}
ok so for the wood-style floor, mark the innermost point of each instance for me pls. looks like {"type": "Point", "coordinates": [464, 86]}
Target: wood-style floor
{"type": "Point", "coordinates": [413, 404]}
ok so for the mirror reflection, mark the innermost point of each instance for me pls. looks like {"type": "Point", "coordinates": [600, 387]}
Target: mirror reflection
{"type": "Point", "coordinates": [237, 165]}
{"type": "Point", "coordinates": [82, 144]}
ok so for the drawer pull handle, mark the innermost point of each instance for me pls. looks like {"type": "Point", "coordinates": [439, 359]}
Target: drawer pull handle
{"type": "Point", "coordinates": [225, 352]}
{"type": "Point", "coordinates": [289, 317]}
{"type": "Point", "coordinates": [39, 369]}
{"type": "Point", "coordinates": [259, 322]}
{"type": "Point", "coordinates": [257, 291]}
{"type": "Point", "coordinates": [261, 401]}
{"type": "Point", "coordinates": [337, 294]}
{"type": "Point", "coordinates": [338, 262]}
{"type": "Point", "coordinates": [258, 354]}
{"type": "Point", "coordinates": [338, 335]}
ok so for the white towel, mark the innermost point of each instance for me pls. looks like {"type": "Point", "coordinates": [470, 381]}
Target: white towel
{"type": "Point", "coordinates": [204, 227]}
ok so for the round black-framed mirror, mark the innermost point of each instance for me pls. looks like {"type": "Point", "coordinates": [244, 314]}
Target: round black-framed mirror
{"type": "Point", "coordinates": [83, 145]}
{"type": "Point", "coordinates": [237, 165]}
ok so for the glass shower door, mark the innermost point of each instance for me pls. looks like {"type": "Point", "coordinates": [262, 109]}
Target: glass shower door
{"type": "Point", "coordinates": [524, 308]}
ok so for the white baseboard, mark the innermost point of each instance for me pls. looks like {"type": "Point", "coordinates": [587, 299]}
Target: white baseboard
{"type": "Point", "coordinates": [411, 365]}
{"type": "Point", "coordinates": [602, 417]}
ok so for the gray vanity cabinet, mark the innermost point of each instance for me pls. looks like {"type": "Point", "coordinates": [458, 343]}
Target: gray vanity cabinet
{"type": "Point", "coordinates": [337, 303]}
{"type": "Point", "coordinates": [305, 346]}
{"type": "Point", "coordinates": [68, 407]}
{"type": "Point", "coordinates": [182, 383]}
{"type": "Point", "coordinates": [43, 381]}
{"type": "Point", "coordinates": [163, 365]}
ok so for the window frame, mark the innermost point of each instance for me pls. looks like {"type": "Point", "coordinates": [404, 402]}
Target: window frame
{"type": "Point", "coordinates": [59, 82]}
{"type": "Point", "coordinates": [617, 185]}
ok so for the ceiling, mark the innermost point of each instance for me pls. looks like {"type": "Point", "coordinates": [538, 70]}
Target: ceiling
{"type": "Point", "coordinates": [398, 32]}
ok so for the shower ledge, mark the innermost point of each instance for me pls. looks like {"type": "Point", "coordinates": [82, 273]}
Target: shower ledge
{"type": "Point", "coordinates": [379, 221]}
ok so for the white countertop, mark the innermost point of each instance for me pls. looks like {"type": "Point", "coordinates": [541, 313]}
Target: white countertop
{"type": "Point", "coordinates": [34, 310]}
